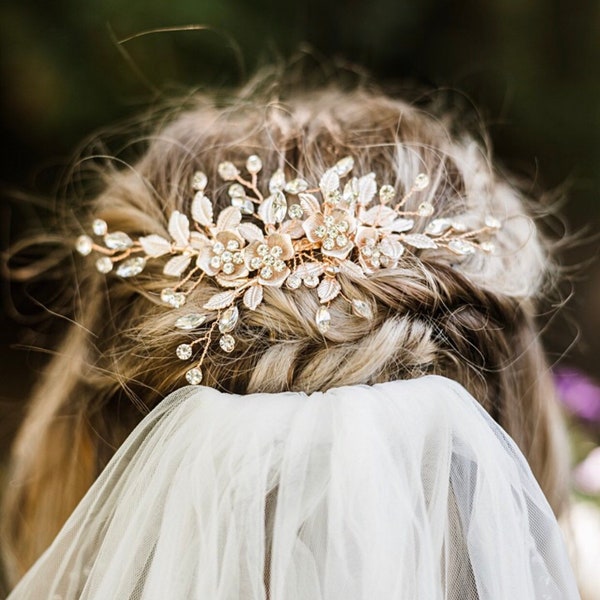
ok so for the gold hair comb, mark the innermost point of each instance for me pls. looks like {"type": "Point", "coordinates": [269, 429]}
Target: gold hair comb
{"type": "Point", "coordinates": [287, 236]}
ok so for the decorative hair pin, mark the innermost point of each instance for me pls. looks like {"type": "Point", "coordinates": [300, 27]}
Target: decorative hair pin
{"type": "Point", "coordinates": [284, 237]}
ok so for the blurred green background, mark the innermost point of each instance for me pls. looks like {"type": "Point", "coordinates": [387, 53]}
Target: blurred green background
{"type": "Point", "coordinates": [528, 68]}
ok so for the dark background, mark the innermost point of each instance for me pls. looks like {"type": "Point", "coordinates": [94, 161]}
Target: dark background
{"type": "Point", "coordinates": [529, 69]}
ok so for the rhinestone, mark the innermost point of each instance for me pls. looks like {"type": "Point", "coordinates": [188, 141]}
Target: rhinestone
{"type": "Point", "coordinates": [462, 247]}
{"type": "Point", "coordinates": [362, 309]}
{"type": "Point", "coordinates": [293, 281]}
{"type": "Point", "coordinates": [229, 319]}
{"type": "Point", "coordinates": [227, 256]}
{"type": "Point", "coordinates": [343, 226]}
{"type": "Point", "coordinates": [371, 242]}
{"type": "Point", "coordinates": [218, 248]}
{"type": "Point", "coordinates": [99, 227]}
{"type": "Point", "coordinates": [246, 207]}
{"type": "Point", "coordinates": [321, 231]}
{"type": "Point", "coordinates": [332, 270]}
{"type": "Point", "coordinates": [438, 226]}
{"type": "Point", "coordinates": [296, 186]}
{"type": "Point", "coordinates": [233, 245]}
{"type": "Point", "coordinates": [421, 182]}
{"type": "Point", "coordinates": [328, 243]}
{"type": "Point", "coordinates": [295, 211]}
{"type": "Point", "coordinates": [279, 266]}
{"type": "Point", "coordinates": [366, 251]}
{"type": "Point", "coordinates": [104, 264]}
{"type": "Point", "coordinates": [238, 258]}
{"type": "Point", "coordinates": [227, 171]}
{"type": "Point", "coordinates": [215, 262]}
{"type": "Point", "coordinates": [228, 268]}
{"type": "Point", "coordinates": [323, 319]}
{"type": "Point", "coordinates": [334, 196]}
{"type": "Point", "coordinates": [492, 222]}
{"type": "Point", "coordinates": [311, 281]}
{"type": "Point", "coordinates": [268, 260]}
{"type": "Point", "coordinates": [276, 251]}
{"type": "Point", "coordinates": [194, 376]}
{"type": "Point", "coordinates": [253, 164]}
{"type": "Point", "coordinates": [386, 193]}
{"type": "Point", "coordinates": [199, 181]}
{"type": "Point", "coordinates": [172, 298]}
{"type": "Point", "coordinates": [184, 352]}
{"type": "Point", "coordinates": [84, 245]}
{"type": "Point", "coordinates": [425, 209]}
{"type": "Point", "coordinates": [488, 247]}
{"type": "Point", "coordinates": [266, 272]}
{"type": "Point", "coordinates": [131, 267]}
{"type": "Point", "coordinates": [375, 261]}
{"type": "Point", "coordinates": [236, 191]}
{"type": "Point", "coordinates": [191, 321]}
{"type": "Point", "coordinates": [278, 208]}
{"type": "Point", "coordinates": [341, 240]}
{"type": "Point", "coordinates": [227, 343]}
{"type": "Point", "coordinates": [329, 220]}
{"type": "Point", "coordinates": [385, 261]}
{"type": "Point", "coordinates": [256, 262]}
{"type": "Point", "coordinates": [262, 249]}
{"type": "Point", "coordinates": [118, 241]}
{"type": "Point", "coordinates": [344, 166]}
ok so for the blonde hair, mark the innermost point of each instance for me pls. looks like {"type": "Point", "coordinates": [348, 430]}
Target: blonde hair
{"type": "Point", "coordinates": [468, 319]}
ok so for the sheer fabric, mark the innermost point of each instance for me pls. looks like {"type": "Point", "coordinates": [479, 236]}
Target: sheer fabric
{"type": "Point", "coordinates": [403, 490]}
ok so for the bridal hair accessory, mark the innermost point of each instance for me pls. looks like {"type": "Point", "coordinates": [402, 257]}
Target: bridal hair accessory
{"type": "Point", "coordinates": [287, 236]}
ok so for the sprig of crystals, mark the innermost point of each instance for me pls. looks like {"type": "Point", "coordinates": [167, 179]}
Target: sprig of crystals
{"type": "Point", "coordinates": [287, 234]}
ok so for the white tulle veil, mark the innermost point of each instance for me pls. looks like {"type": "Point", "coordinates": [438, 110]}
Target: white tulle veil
{"type": "Point", "coordinates": [406, 490]}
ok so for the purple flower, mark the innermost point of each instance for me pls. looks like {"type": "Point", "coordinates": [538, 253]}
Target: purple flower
{"type": "Point", "coordinates": [579, 394]}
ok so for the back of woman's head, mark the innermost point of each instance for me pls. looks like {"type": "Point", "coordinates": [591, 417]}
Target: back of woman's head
{"type": "Point", "coordinates": [466, 317]}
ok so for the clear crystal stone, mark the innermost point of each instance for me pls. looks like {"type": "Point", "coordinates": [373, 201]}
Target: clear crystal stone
{"type": "Point", "coordinates": [233, 245]}
{"type": "Point", "coordinates": [244, 204]}
{"type": "Point", "coordinates": [131, 267]}
{"type": "Point", "coordinates": [266, 272]}
{"type": "Point", "coordinates": [343, 226]}
{"type": "Point", "coordinates": [278, 208]}
{"type": "Point", "coordinates": [172, 298]}
{"type": "Point", "coordinates": [344, 166]}
{"type": "Point", "coordinates": [462, 247]}
{"type": "Point", "coordinates": [277, 181]}
{"type": "Point", "coordinates": [238, 258]}
{"type": "Point", "coordinates": [421, 182]}
{"type": "Point", "coordinates": [387, 193]}
{"type": "Point", "coordinates": [438, 226]}
{"type": "Point", "coordinates": [194, 376]}
{"type": "Point", "coordinates": [425, 209]}
{"type": "Point", "coordinates": [99, 227]}
{"type": "Point", "coordinates": [184, 351]}
{"type": "Point", "coordinates": [488, 247]}
{"type": "Point", "coordinates": [255, 262]}
{"type": "Point", "coordinates": [118, 241]}
{"type": "Point", "coordinates": [84, 245]}
{"type": "Point", "coordinates": [279, 266]}
{"type": "Point", "coordinates": [227, 342]}
{"type": "Point", "coordinates": [293, 281]}
{"type": "Point", "coordinates": [227, 171]}
{"type": "Point", "coordinates": [329, 243]}
{"type": "Point", "coordinates": [312, 281]}
{"type": "Point", "coordinates": [341, 240]}
{"type": "Point", "coordinates": [228, 268]}
{"type": "Point", "coordinates": [218, 247]}
{"type": "Point", "coordinates": [323, 319]}
{"type": "Point", "coordinates": [296, 186]}
{"type": "Point", "coordinates": [254, 164]}
{"type": "Point", "coordinates": [199, 181]}
{"type": "Point", "coordinates": [492, 222]}
{"type": "Point", "coordinates": [227, 256]}
{"type": "Point", "coordinates": [236, 190]}
{"type": "Point", "coordinates": [329, 221]}
{"type": "Point", "coordinates": [262, 249]}
{"type": "Point", "coordinates": [229, 319]}
{"type": "Point", "coordinates": [332, 270]}
{"type": "Point", "coordinates": [366, 251]}
{"type": "Point", "coordinates": [295, 211]}
{"type": "Point", "coordinates": [362, 309]}
{"type": "Point", "coordinates": [321, 231]}
{"type": "Point", "coordinates": [104, 264]}
{"type": "Point", "coordinates": [191, 321]}
{"type": "Point", "coordinates": [276, 251]}
{"type": "Point", "coordinates": [215, 262]}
